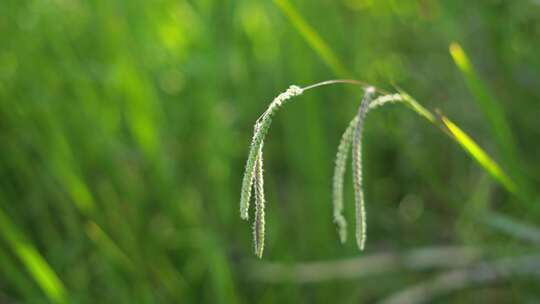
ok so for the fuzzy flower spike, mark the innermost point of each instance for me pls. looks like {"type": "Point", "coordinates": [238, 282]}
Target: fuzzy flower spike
{"type": "Point", "coordinates": [253, 180]}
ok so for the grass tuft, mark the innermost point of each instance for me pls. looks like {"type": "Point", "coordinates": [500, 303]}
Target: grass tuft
{"type": "Point", "coordinates": [350, 140]}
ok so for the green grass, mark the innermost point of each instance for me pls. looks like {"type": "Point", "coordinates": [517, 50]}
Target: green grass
{"type": "Point", "coordinates": [124, 127]}
{"type": "Point", "coordinates": [32, 260]}
{"type": "Point", "coordinates": [315, 41]}
{"type": "Point", "coordinates": [494, 112]}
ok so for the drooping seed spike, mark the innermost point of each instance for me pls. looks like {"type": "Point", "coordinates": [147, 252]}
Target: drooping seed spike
{"type": "Point", "coordinates": [341, 160]}
{"type": "Point", "coordinates": [383, 100]}
{"type": "Point", "coordinates": [259, 222]}
{"type": "Point", "coordinates": [260, 130]}
{"type": "Point", "coordinates": [357, 168]}
{"type": "Point", "coordinates": [338, 180]}
{"type": "Point", "coordinates": [247, 181]}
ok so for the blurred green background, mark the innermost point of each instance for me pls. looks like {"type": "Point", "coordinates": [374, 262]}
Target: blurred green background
{"type": "Point", "coordinates": [125, 126]}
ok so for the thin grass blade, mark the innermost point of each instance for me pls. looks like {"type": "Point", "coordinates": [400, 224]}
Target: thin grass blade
{"type": "Point", "coordinates": [314, 40]}
{"type": "Point", "coordinates": [495, 115]}
{"type": "Point", "coordinates": [36, 265]}
{"type": "Point", "coordinates": [468, 144]}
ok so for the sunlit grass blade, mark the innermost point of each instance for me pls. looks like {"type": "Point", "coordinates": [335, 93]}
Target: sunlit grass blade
{"type": "Point", "coordinates": [17, 279]}
{"type": "Point", "coordinates": [493, 110]}
{"type": "Point", "coordinates": [314, 40]}
{"type": "Point", "coordinates": [36, 265]}
{"type": "Point", "coordinates": [465, 141]}
{"type": "Point", "coordinates": [468, 144]}
{"type": "Point", "coordinates": [417, 107]}
{"type": "Point", "coordinates": [494, 113]}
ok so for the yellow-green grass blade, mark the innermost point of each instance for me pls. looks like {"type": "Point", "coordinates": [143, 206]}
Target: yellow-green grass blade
{"type": "Point", "coordinates": [417, 107]}
{"type": "Point", "coordinates": [496, 117]}
{"type": "Point", "coordinates": [36, 265]}
{"type": "Point", "coordinates": [17, 279]}
{"type": "Point", "coordinates": [468, 144]}
{"type": "Point", "coordinates": [494, 113]}
{"type": "Point", "coordinates": [464, 140]}
{"type": "Point", "coordinates": [314, 40]}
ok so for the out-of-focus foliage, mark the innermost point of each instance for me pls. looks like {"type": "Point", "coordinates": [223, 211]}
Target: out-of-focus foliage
{"type": "Point", "coordinates": [124, 127]}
